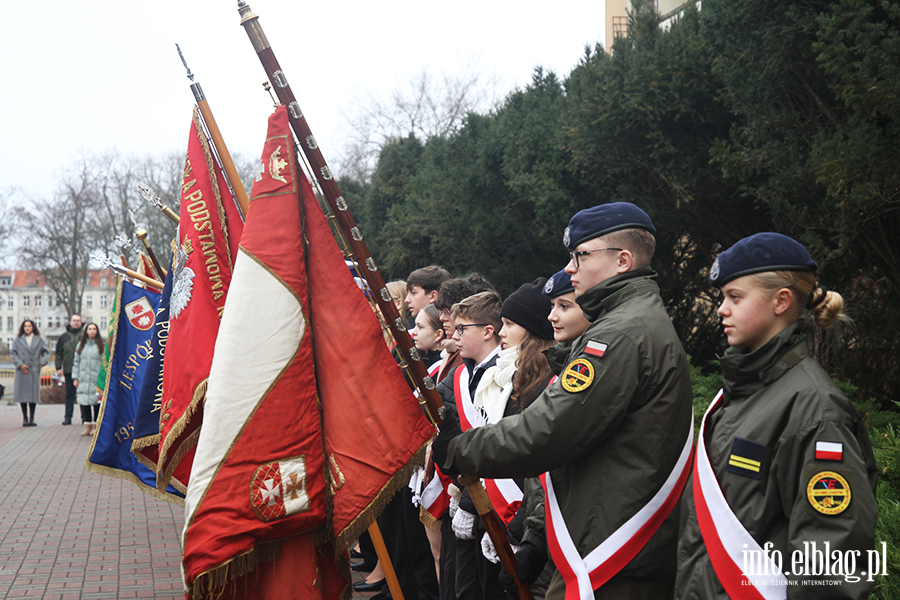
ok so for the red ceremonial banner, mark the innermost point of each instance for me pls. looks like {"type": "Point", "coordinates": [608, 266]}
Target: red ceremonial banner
{"type": "Point", "coordinates": [375, 431]}
{"type": "Point", "coordinates": [210, 227]}
{"type": "Point", "coordinates": [258, 472]}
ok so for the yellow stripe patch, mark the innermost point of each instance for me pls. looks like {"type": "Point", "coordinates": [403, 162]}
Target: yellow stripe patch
{"type": "Point", "coordinates": [744, 463]}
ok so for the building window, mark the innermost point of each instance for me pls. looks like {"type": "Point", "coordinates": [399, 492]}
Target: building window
{"type": "Point", "coordinates": [104, 281]}
{"type": "Point", "coordinates": [90, 302]}
{"type": "Point", "coordinates": [37, 321]}
{"type": "Point", "coordinates": [9, 324]}
{"type": "Point", "coordinates": [58, 322]}
{"type": "Point", "coordinates": [12, 301]}
{"type": "Point", "coordinates": [104, 300]}
{"type": "Point", "coordinates": [26, 300]}
{"type": "Point", "coordinates": [103, 325]}
{"type": "Point", "coordinates": [49, 301]}
{"type": "Point", "coordinates": [38, 300]}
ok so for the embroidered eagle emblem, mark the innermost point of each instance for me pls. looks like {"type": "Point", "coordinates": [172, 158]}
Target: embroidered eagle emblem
{"type": "Point", "coordinates": [182, 285]}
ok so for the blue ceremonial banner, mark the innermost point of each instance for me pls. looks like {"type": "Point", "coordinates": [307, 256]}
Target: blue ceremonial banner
{"type": "Point", "coordinates": [130, 352]}
{"type": "Point", "coordinates": [145, 441]}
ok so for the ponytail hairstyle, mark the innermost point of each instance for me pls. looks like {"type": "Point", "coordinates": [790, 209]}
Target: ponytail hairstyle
{"type": "Point", "coordinates": [825, 306]}
{"type": "Point", "coordinates": [98, 339]}
{"type": "Point", "coordinates": [532, 368]}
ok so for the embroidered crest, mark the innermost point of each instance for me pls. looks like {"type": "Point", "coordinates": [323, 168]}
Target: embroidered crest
{"type": "Point", "coordinates": [746, 458]}
{"type": "Point", "coordinates": [548, 287]}
{"type": "Point", "coordinates": [566, 238]}
{"type": "Point", "coordinates": [140, 315]}
{"type": "Point", "coordinates": [578, 376]}
{"type": "Point", "coordinates": [714, 271]}
{"type": "Point", "coordinates": [278, 489]}
{"type": "Point", "coordinates": [828, 493]}
{"type": "Point", "coordinates": [182, 284]}
{"type": "Point", "coordinates": [277, 165]}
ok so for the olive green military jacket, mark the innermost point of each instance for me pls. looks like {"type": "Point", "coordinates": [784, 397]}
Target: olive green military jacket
{"type": "Point", "coordinates": [761, 441]}
{"type": "Point", "coordinates": [610, 430]}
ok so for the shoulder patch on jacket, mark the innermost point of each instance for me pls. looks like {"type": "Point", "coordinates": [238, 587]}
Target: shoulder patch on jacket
{"type": "Point", "coordinates": [578, 376]}
{"type": "Point", "coordinates": [746, 458]}
{"type": "Point", "coordinates": [597, 349]}
{"type": "Point", "coordinates": [828, 493]}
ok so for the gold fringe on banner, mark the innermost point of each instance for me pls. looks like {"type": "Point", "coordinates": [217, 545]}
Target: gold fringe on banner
{"type": "Point", "coordinates": [348, 536]}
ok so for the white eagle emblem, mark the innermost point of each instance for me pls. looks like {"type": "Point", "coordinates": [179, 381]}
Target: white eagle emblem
{"type": "Point", "coordinates": [548, 287]}
{"type": "Point", "coordinates": [182, 285]}
{"type": "Point", "coordinates": [714, 272]}
{"type": "Point", "coordinates": [566, 238]}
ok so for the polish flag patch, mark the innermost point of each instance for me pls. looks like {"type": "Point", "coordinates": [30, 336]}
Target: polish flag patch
{"type": "Point", "coordinates": [829, 451]}
{"type": "Point", "coordinates": [597, 349]}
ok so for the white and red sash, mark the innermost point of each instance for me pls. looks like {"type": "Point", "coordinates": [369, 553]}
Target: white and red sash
{"type": "Point", "coordinates": [584, 575]}
{"type": "Point", "coordinates": [725, 537]}
{"type": "Point", "coordinates": [505, 494]}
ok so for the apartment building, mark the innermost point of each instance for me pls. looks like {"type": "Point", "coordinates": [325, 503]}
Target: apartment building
{"type": "Point", "coordinates": [24, 295]}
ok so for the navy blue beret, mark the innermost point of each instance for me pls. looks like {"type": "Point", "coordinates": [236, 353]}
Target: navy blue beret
{"type": "Point", "coordinates": [599, 220]}
{"type": "Point", "coordinates": [758, 253]}
{"type": "Point", "coordinates": [559, 284]}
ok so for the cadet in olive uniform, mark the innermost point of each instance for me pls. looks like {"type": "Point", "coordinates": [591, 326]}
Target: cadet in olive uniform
{"type": "Point", "coordinates": [786, 471]}
{"type": "Point", "coordinates": [614, 431]}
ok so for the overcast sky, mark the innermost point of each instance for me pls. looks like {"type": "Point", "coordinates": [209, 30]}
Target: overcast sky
{"type": "Point", "coordinates": [86, 77]}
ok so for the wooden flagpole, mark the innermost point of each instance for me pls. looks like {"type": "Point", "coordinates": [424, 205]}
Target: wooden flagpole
{"type": "Point", "coordinates": [369, 271]}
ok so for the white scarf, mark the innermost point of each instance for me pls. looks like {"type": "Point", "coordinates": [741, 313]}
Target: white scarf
{"type": "Point", "coordinates": [496, 385]}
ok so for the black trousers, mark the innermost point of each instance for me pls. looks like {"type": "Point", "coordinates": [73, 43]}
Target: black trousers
{"type": "Point", "coordinates": [86, 413]}
{"type": "Point", "coordinates": [70, 396]}
{"type": "Point", "coordinates": [407, 545]}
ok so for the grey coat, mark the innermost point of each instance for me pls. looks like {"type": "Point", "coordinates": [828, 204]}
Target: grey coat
{"type": "Point", "coordinates": [28, 387]}
{"type": "Point", "coordinates": [86, 368]}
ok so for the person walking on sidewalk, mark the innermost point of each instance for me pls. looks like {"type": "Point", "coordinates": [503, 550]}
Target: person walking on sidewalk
{"type": "Point", "coordinates": [65, 357]}
{"type": "Point", "coordinates": [29, 353]}
{"type": "Point", "coordinates": [85, 370]}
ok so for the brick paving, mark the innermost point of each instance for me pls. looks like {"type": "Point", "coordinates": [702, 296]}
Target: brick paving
{"type": "Point", "coordinates": [68, 533]}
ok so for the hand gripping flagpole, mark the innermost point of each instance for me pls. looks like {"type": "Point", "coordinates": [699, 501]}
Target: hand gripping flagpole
{"type": "Point", "coordinates": [348, 229]}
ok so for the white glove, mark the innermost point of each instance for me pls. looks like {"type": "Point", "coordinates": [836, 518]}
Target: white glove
{"type": "Point", "coordinates": [455, 495]}
{"type": "Point", "coordinates": [464, 525]}
{"type": "Point", "coordinates": [490, 553]}
{"type": "Point", "coordinates": [487, 548]}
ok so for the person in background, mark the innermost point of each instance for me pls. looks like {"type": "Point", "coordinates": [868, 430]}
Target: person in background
{"type": "Point", "coordinates": [85, 370]}
{"type": "Point", "coordinates": [422, 285]}
{"type": "Point", "coordinates": [65, 357]}
{"type": "Point", "coordinates": [28, 353]}
{"type": "Point", "coordinates": [397, 290]}
{"type": "Point", "coordinates": [784, 464]}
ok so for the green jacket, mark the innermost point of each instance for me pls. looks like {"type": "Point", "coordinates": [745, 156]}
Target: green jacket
{"type": "Point", "coordinates": [65, 348]}
{"type": "Point", "coordinates": [612, 442]}
{"type": "Point", "coordinates": [778, 402]}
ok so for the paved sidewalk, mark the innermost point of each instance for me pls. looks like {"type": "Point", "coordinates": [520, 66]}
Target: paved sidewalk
{"type": "Point", "coordinates": [66, 532]}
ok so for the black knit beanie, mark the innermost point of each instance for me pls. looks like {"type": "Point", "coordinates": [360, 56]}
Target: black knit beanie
{"type": "Point", "coordinates": [528, 307]}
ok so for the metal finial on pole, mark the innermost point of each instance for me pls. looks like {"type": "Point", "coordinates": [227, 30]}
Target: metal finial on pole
{"type": "Point", "coordinates": [150, 196]}
{"type": "Point", "coordinates": [100, 261]}
{"type": "Point", "coordinates": [184, 62]}
{"type": "Point", "coordinates": [268, 87]}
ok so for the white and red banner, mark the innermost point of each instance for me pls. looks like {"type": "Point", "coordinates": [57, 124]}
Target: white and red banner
{"type": "Point", "coordinates": [505, 494]}
{"type": "Point", "coordinates": [584, 575]}
{"type": "Point", "coordinates": [726, 539]}
{"type": "Point", "coordinates": [258, 472]}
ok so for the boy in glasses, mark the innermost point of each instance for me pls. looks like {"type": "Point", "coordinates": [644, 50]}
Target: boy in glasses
{"type": "Point", "coordinates": [611, 440]}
